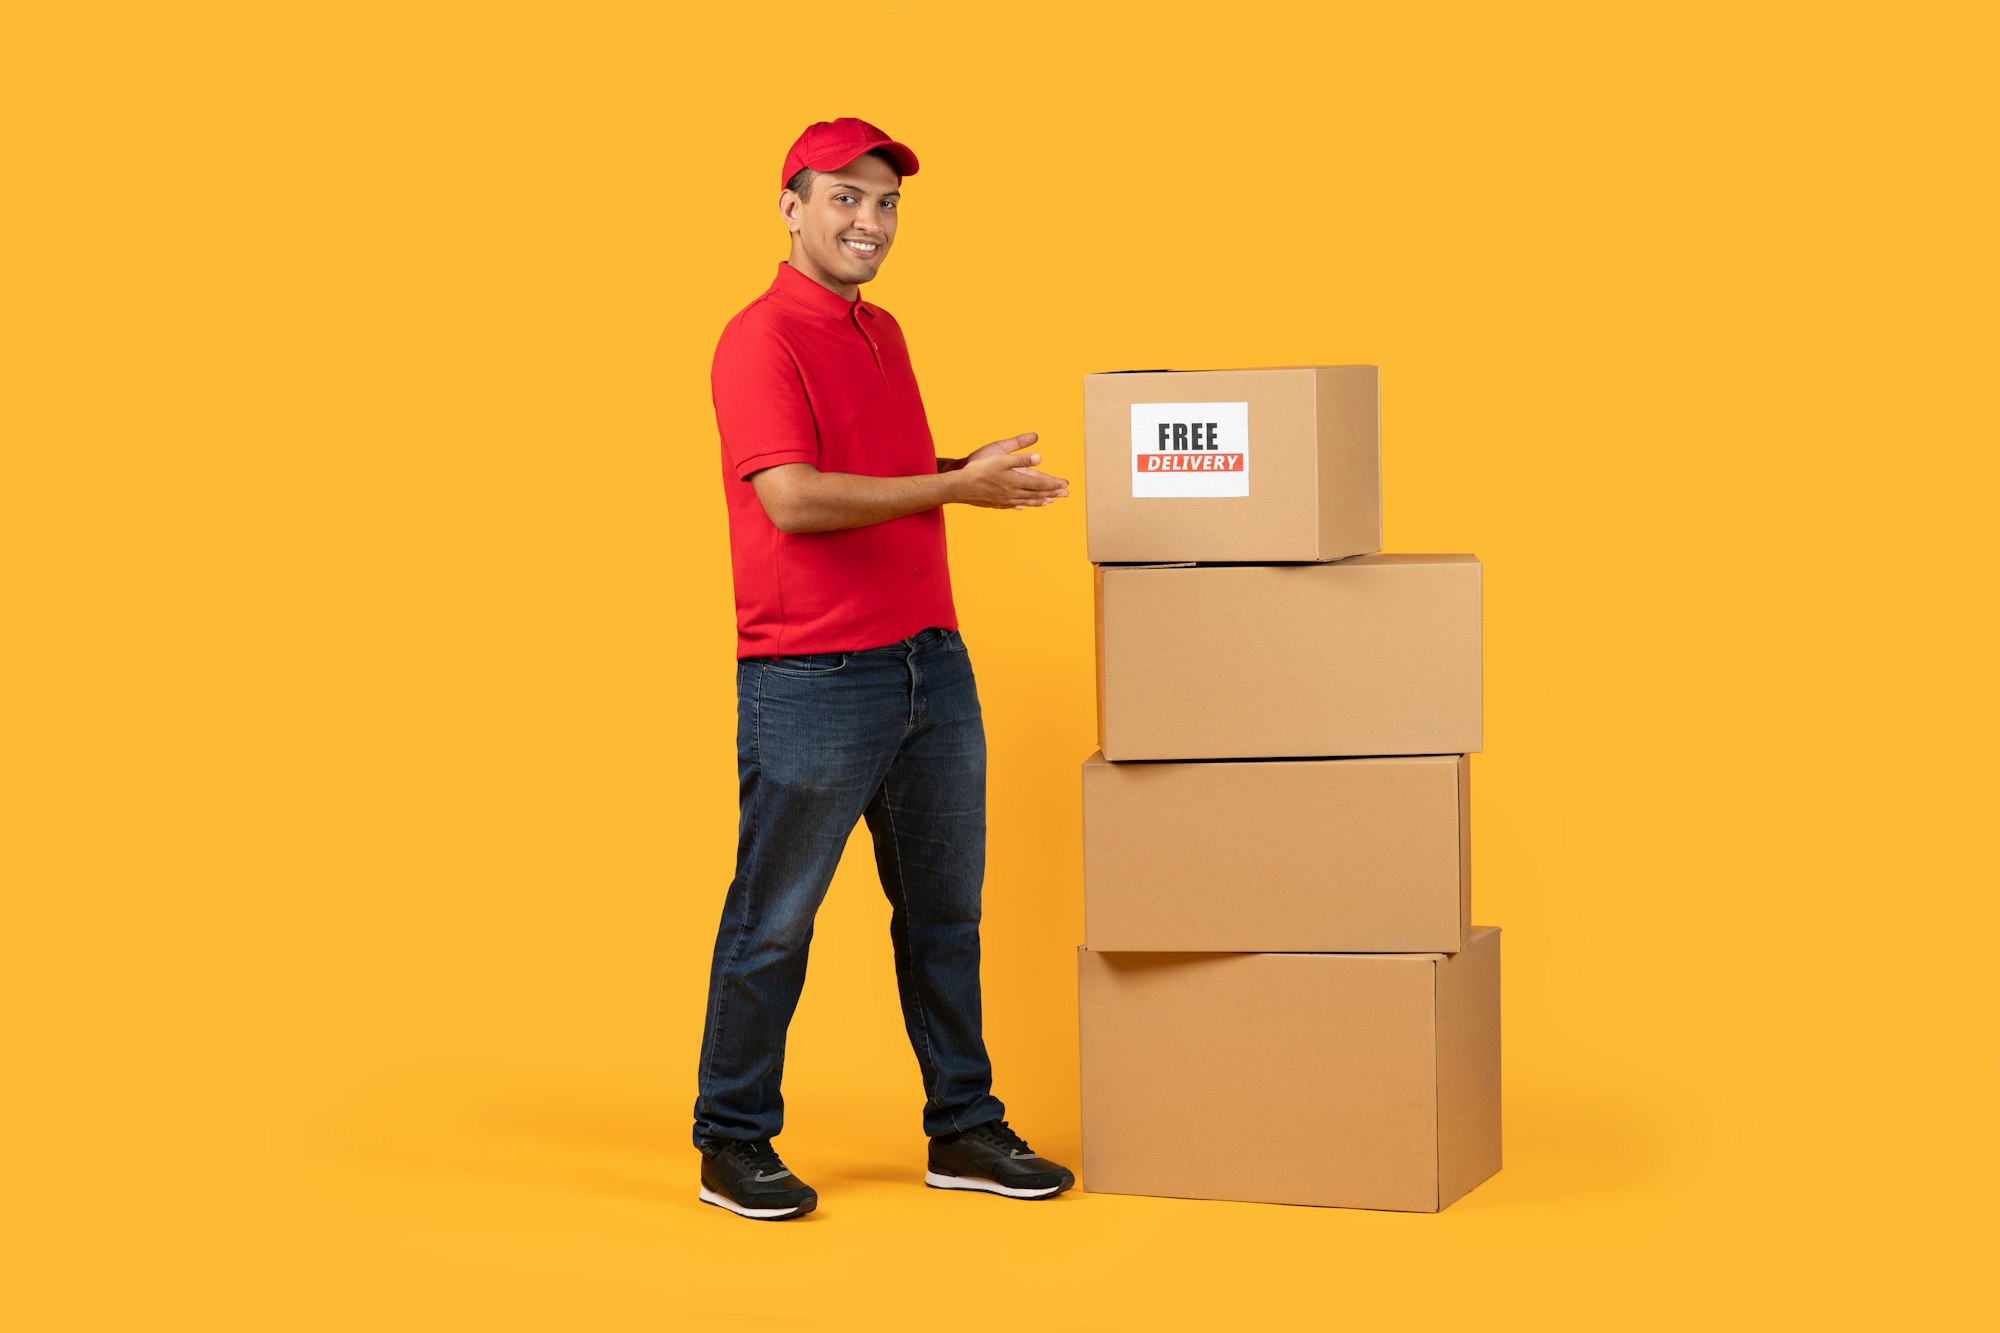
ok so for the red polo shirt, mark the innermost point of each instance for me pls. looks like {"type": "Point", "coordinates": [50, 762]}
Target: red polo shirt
{"type": "Point", "coordinates": [803, 375]}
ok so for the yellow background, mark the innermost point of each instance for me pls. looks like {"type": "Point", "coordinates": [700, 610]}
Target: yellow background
{"type": "Point", "coordinates": [368, 594]}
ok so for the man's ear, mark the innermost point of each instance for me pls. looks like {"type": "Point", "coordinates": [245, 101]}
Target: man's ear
{"type": "Point", "coordinates": [789, 204]}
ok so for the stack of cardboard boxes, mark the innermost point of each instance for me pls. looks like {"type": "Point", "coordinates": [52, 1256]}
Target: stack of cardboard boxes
{"type": "Point", "coordinates": [1282, 996]}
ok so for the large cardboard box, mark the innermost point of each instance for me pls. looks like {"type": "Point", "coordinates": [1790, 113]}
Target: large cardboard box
{"type": "Point", "coordinates": [1355, 1080]}
{"type": "Point", "coordinates": [1322, 855]}
{"type": "Point", "coordinates": [1375, 655]}
{"type": "Point", "coordinates": [1278, 464]}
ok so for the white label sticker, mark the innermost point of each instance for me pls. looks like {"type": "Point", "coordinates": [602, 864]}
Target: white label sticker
{"type": "Point", "coordinates": [1183, 449]}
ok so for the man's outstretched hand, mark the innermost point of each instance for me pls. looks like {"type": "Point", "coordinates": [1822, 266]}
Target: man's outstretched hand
{"type": "Point", "coordinates": [1000, 476]}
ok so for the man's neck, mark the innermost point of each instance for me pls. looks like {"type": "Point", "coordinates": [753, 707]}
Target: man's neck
{"type": "Point", "coordinates": [846, 291]}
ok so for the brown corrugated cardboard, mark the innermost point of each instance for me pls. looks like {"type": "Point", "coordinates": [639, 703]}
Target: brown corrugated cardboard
{"type": "Point", "coordinates": [1275, 464]}
{"type": "Point", "coordinates": [1376, 655]}
{"type": "Point", "coordinates": [1468, 1043]}
{"type": "Point", "coordinates": [1351, 1080]}
{"type": "Point", "coordinates": [1356, 855]}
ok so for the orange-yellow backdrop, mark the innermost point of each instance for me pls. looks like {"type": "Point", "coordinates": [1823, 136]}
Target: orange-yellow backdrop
{"type": "Point", "coordinates": [370, 604]}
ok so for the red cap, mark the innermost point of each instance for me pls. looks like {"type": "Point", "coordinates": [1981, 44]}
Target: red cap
{"type": "Point", "coordinates": [828, 144]}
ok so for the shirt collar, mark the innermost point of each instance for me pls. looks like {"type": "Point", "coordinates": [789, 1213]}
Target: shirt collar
{"type": "Point", "coordinates": [809, 295]}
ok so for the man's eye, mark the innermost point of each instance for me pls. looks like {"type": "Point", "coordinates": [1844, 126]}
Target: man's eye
{"type": "Point", "coordinates": [889, 203]}
{"type": "Point", "coordinates": [845, 198]}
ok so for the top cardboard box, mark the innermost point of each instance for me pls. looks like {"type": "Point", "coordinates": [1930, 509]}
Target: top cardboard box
{"type": "Point", "coordinates": [1282, 464]}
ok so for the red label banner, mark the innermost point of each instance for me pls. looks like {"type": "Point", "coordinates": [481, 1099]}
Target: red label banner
{"type": "Point", "coordinates": [1189, 462]}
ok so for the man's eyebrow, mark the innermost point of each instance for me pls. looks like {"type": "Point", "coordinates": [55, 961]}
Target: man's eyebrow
{"type": "Point", "coordinates": [843, 185]}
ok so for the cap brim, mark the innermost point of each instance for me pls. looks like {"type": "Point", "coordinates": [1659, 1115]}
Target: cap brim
{"type": "Point", "coordinates": [906, 160]}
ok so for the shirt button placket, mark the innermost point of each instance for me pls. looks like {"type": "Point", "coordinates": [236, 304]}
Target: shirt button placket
{"type": "Point", "coordinates": [874, 348]}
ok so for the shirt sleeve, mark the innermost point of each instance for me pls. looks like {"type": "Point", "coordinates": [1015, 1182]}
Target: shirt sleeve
{"type": "Point", "coordinates": [760, 402]}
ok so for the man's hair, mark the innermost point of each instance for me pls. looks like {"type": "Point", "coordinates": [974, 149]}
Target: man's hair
{"type": "Point", "coordinates": [801, 184]}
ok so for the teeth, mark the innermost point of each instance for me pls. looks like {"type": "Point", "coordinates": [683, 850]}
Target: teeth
{"type": "Point", "coordinates": [863, 247]}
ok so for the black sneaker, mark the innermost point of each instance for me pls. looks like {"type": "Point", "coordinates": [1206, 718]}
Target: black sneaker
{"type": "Point", "coordinates": [994, 1158]}
{"type": "Point", "coordinates": [746, 1177]}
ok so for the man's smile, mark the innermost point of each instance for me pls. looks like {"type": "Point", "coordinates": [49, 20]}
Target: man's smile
{"type": "Point", "coordinates": [866, 249]}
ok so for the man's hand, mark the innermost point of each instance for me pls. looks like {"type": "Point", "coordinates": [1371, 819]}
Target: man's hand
{"type": "Point", "coordinates": [999, 476]}
{"type": "Point", "coordinates": [1006, 446]}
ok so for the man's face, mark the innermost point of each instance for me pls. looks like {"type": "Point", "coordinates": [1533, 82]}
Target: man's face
{"type": "Point", "coordinates": [842, 233]}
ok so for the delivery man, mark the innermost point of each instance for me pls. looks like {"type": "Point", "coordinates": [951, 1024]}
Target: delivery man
{"type": "Point", "coordinates": [854, 690]}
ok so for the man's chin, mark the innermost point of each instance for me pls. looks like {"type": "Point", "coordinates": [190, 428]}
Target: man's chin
{"type": "Point", "coordinates": [854, 269]}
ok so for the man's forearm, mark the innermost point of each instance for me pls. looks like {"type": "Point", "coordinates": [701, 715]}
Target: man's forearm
{"type": "Point", "coordinates": [833, 501]}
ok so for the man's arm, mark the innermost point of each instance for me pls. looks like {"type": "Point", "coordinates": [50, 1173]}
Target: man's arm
{"type": "Point", "coordinates": [798, 497]}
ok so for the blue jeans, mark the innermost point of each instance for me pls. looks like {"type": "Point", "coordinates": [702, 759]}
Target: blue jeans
{"type": "Point", "coordinates": [892, 735]}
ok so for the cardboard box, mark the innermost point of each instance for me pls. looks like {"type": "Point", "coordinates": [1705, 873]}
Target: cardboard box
{"type": "Point", "coordinates": [1352, 1080]}
{"type": "Point", "coordinates": [1278, 464]}
{"type": "Point", "coordinates": [1333, 855]}
{"type": "Point", "coordinates": [1375, 655]}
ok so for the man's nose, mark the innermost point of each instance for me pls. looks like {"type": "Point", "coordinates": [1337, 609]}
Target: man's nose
{"type": "Point", "coordinates": [868, 218]}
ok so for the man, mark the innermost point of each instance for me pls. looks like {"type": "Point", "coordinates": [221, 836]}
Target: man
{"type": "Point", "coordinates": [855, 695]}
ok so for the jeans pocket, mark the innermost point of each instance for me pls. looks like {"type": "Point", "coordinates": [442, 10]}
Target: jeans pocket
{"type": "Point", "coordinates": [954, 641]}
{"type": "Point", "coordinates": [807, 664]}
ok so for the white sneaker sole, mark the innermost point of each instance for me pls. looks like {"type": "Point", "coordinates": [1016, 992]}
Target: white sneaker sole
{"type": "Point", "coordinates": [936, 1181]}
{"type": "Point", "coordinates": [764, 1214]}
